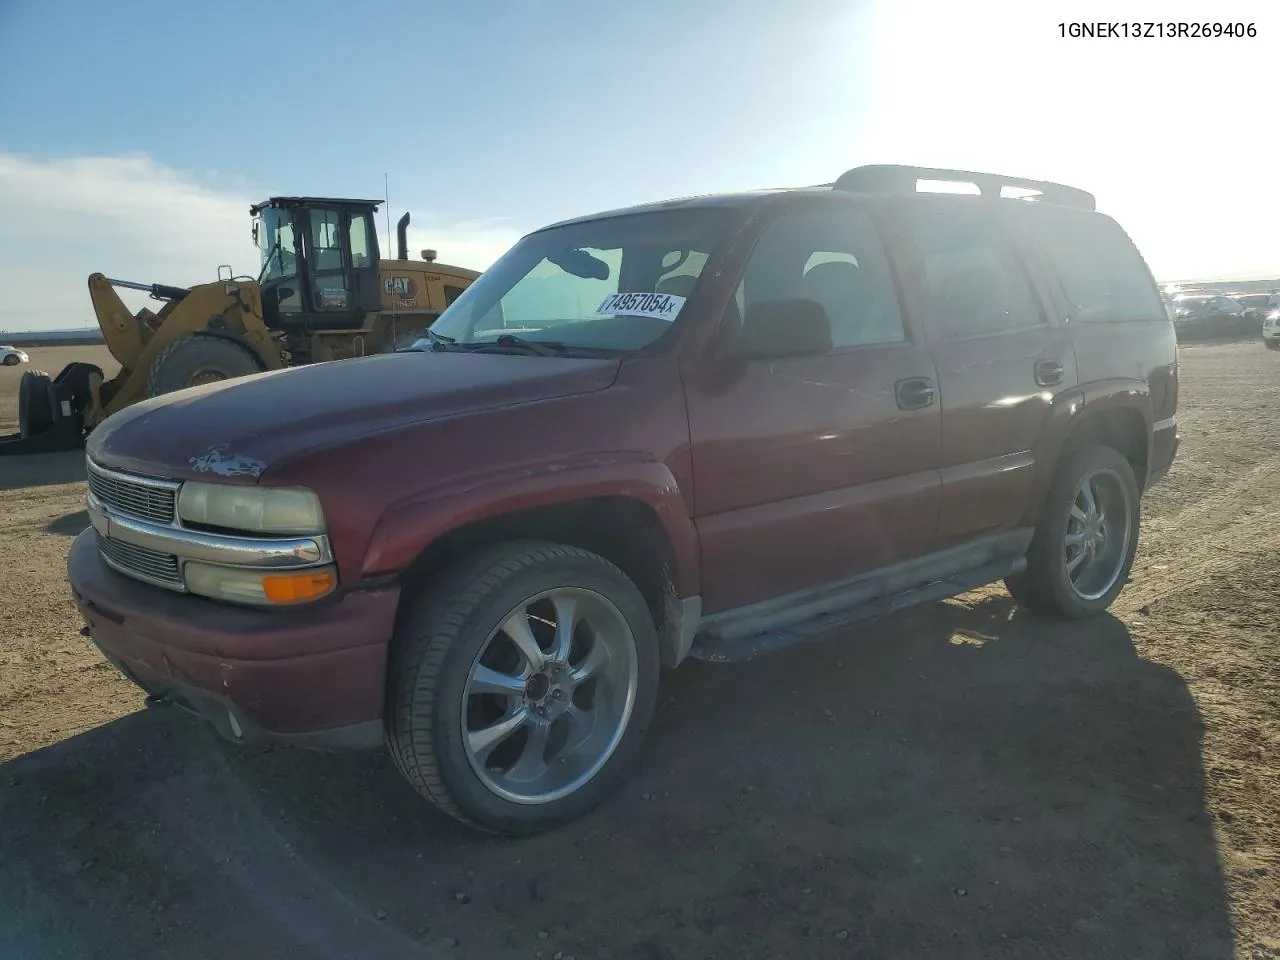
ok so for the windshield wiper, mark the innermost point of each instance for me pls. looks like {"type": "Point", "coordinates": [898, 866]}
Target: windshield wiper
{"type": "Point", "coordinates": [275, 248]}
{"type": "Point", "coordinates": [543, 348]}
{"type": "Point", "coordinates": [440, 337]}
{"type": "Point", "coordinates": [509, 342]}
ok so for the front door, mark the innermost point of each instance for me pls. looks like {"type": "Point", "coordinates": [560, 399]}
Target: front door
{"type": "Point", "coordinates": [343, 266]}
{"type": "Point", "coordinates": [1001, 359]}
{"type": "Point", "coordinates": [811, 470]}
{"type": "Point", "coordinates": [331, 293]}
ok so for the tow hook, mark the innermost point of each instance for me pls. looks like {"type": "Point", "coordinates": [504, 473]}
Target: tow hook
{"type": "Point", "coordinates": [156, 700]}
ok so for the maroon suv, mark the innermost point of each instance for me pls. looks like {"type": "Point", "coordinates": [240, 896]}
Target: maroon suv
{"type": "Point", "coordinates": [707, 427]}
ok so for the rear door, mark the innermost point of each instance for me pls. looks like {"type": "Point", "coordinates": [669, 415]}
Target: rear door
{"type": "Point", "coordinates": [810, 470]}
{"type": "Point", "coordinates": [1001, 359]}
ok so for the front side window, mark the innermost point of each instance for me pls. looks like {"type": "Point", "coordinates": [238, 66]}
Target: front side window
{"type": "Point", "coordinates": [1101, 273]}
{"type": "Point", "coordinates": [613, 284]}
{"type": "Point", "coordinates": [834, 256]}
{"type": "Point", "coordinates": [976, 283]}
{"type": "Point", "coordinates": [276, 244]}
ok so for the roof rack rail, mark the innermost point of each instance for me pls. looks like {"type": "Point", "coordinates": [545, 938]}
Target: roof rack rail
{"type": "Point", "coordinates": [900, 178]}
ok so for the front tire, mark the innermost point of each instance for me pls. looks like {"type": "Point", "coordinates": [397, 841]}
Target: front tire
{"type": "Point", "coordinates": [1086, 539]}
{"type": "Point", "coordinates": [11, 359]}
{"type": "Point", "coordinates": [521, 686]}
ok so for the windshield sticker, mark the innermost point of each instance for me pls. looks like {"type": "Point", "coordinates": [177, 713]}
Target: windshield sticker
{"type": "Point", "coordinates": [660, 306]}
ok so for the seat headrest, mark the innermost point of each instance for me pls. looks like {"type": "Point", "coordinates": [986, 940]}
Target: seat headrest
{"type": "Point", "coordinates": [834, 279]}
{"type": "Point", "coordinates": [680, 285]}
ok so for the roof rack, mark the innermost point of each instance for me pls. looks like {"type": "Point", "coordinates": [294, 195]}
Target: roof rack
{"type": "Point", "coordinates": [898, 178]}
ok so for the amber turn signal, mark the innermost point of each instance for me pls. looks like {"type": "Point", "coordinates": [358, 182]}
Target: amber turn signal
{"type": "Point", "coordinates": [297, 587]}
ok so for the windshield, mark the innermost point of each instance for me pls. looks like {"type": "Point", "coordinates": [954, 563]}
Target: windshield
{"type": "Point", "coordinates": [615, 284]}
{"type": "Point", "coordinates": [276, 250]}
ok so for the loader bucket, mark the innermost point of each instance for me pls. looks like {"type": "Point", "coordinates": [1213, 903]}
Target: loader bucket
{"type": "Point", "coordinates": [122, 331]}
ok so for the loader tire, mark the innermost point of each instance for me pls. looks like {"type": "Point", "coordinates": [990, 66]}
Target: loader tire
{"type": "Point", "coordinates": [199, 359]}
{"type": "Point", "coordinates": [36, 407]}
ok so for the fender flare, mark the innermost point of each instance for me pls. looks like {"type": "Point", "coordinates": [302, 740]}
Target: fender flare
{"type": "Point", "coordinates": [408, 527]}
{"type": "Point", "coordinates": [1072, 408]}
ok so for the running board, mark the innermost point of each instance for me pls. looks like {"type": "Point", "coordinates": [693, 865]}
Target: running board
{"type": "Point", "coordinates": [740, 649]}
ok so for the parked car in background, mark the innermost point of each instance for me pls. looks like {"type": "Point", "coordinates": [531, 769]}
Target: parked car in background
{"type": "Point", "coordinates": [480, 553]}
{"type": "Point", "coordinates": [1271, 329]}
{"type": "Point", "coordinates": [1206, 315]}
{"type": "Point", "coordinates": [1207, 305]}
{"type": "Point", "coordinates": [1255, 305]}
{"type": "Point", "coordinates": [12, 356]}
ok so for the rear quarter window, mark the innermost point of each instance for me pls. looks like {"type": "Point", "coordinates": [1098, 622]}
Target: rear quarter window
{"type": "Point", "coordinates": [1100, 271]}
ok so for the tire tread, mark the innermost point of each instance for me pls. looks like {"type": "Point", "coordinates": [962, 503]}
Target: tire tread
{"type": "Point", "coordinates": [182, 343]}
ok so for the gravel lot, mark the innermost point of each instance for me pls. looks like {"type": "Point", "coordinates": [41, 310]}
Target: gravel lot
{"type": "Point", "coordinates": [959, 781]}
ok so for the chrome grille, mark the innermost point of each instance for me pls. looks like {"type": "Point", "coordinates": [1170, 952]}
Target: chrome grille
{"type": "Point", "coordinates": [147, 564]}
{"type": "Point", "coordinates": [151, 500]}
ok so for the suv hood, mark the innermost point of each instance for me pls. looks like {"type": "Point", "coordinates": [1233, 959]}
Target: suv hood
{"type": "Point", "coordinates": [236, 429]}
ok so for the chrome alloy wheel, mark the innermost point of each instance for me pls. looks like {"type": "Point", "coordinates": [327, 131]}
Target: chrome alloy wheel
{"type": "Point", "coordinates": [549, 695]}
{"type": "Point", "coordinates": [1096, 542]}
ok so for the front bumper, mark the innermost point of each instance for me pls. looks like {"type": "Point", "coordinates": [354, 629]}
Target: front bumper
{"type": "Point", "coordinates": [314, 675]}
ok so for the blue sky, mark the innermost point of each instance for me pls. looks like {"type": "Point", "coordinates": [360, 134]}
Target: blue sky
{"type": "Point", "coordinates": [133, 134]}
{"type": "Point", "coordinates": [480, 109]}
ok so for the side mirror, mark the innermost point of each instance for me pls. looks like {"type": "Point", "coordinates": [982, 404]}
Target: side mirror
{"type": "Point", "coordinates": [775, 329]}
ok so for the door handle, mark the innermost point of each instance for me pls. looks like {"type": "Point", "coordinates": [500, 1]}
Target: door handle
{"type": "Point", "coordinates": [1048, 372]}
{"type": "Point", "coordinates": [914, 393]}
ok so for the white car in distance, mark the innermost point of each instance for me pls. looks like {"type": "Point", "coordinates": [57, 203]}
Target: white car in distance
{"type": "Point", "coordinates": [12, 356]}
{"type": "Point", "coordinates": [1271, 329]}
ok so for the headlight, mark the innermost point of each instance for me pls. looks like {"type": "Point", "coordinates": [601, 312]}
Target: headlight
{"type": "Point", "coordinates": [267, 587]}
{"type": "Point", "coordinates": [282, 510]}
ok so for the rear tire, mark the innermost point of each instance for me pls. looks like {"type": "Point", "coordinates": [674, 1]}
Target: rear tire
{"type": "Point", "coordinates": [198, 359]}
{"type": "Point", "coordinates": [36, 407]}
{"type": "Point", "coordinates": [577, 717]}
{"type": "Point", "coordinates": [11, 360]}
{"type": "Point", "coordinates": [1079, 560]}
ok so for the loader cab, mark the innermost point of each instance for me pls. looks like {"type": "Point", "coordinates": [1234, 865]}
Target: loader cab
{"type": "Point", "coordinates": [319, 261]}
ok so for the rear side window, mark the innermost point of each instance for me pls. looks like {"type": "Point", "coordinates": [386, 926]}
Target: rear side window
{"type": "Point", "coordinates": [976, 282]}
{"type": "Point", "coordinates": [1099, 269]}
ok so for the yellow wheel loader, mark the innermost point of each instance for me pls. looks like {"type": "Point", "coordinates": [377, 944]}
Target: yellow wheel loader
{"type": "Point", "coordinates": [322, 293]}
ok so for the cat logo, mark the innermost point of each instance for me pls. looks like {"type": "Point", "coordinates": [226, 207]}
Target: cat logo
{"type": "Point", "coordinates": [402, 288]}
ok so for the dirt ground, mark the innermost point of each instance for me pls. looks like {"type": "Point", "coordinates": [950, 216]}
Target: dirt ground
{"type": "Point", "coordinates": [959, 781]}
